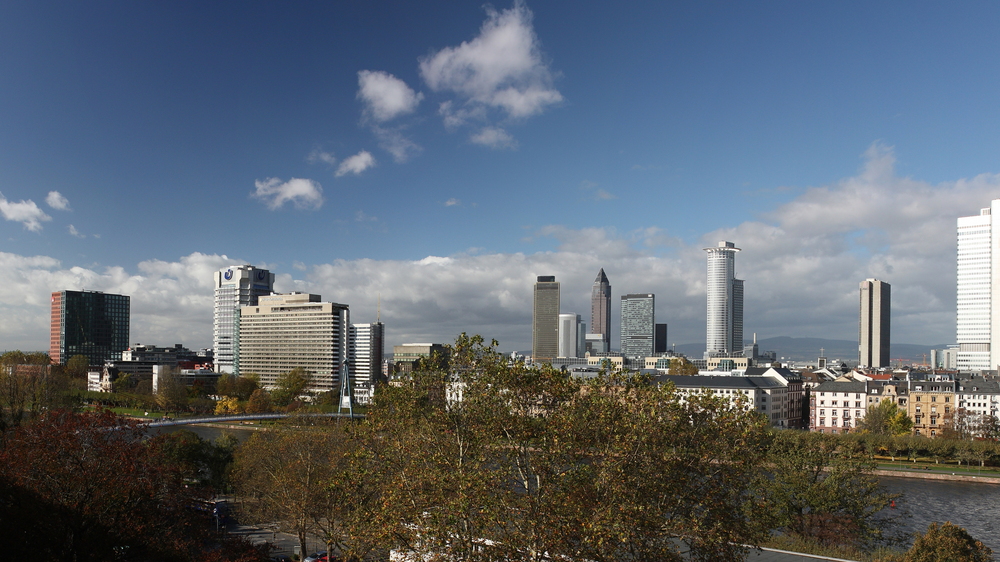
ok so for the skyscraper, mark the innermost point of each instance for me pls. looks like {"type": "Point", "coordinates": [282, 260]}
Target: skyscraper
{"type": "Point", "coordinates": [365, 352]}
{"type": "Point", "coordinates": [660, 339]}
{"type": "Point", "coordinates": [569, 335]}
{"type": "Point", "coordinates": [88, 323]}
{"type": "Point", "coordinates": [724, 333]}
{"type": "Point", "coordinates": [284, 331]}
{"type": "Point", "coordinates": [600, 309]}
{"type": "Point", "coordinates": [235, 287]}
{"type": "Point", "coordinates": [873, 331]}
{"type": "Point", "coordinates": [978, 298]}
{"type": "Point", "coordinates": [545, 320]}
{"type": "Point", "coordinates": [638, 325]}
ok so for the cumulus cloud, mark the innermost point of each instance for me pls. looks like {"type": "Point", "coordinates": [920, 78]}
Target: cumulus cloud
{"type": "Point", "coordinates": [384, 96]}
{"type": "Point", "coordinates": [802, 265]}
{"type": "Point", "coordinates": [56, 200]}
{"type": "Point", "coordinates": [452, 202]}
{"type": "Point", "coordinates": [25, 212]}
{"type": "Point", "coordinates": [356, 164]}
{"type": "Point", "coordinates": [303, 193]}
{"type": "Point", "coordinates": [494, 137]}
{"type": "Point", "coordinates": [501, 68]}
{"type": "Point", "coordinates": [74, 232]}
{"type": "Point", "coordinates": [595, 192]}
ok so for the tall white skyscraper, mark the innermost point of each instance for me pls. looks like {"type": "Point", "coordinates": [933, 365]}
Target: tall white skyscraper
{"type": "Point", "coordinates": [724, 333]}
{"type": "Point", "coordinates": [978, 296]}
{"type": "Point", "coordinates": [235, 286]}
{"type": "Point", "coordinates": [873, 330]}
{"type": "Point", "coordinates": [366, 349]}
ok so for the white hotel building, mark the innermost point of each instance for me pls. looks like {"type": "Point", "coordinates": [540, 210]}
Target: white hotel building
{"type": "Point", "coordinates": [285, 331]}
{"type": "Point", "coordinates": [978, 296]}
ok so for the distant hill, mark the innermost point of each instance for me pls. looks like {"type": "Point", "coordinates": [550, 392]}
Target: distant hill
{"type": "Point", "coordinates": [806, 349]}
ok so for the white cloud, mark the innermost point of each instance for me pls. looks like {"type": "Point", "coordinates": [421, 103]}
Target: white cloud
{"type": "Point", "coordinates": [56, 200]}
{"type": "Point", "coordinates": [494, 137]}
{"type": "Point", "coordinates": [303, 193]}
{"type": "Point", "coordinates": [356, 164]}
{"type": "Point", "coordinates": [802, 265]}
{"type": "Point", "coordinates": [361, 216]}
{"type": "Point", "coordinates": [452, 202]}
{"type": "Point", "coordinates": [24, 212]}
{"type": "Point", "coordinates": [384, 96]}
{"type": "Point", "coordinates": [318, 155]}
{"type": "Point", "coordinates": [393, 141]}
{"type": "Point", "coordinates": [502, 67]}
{"type": "Point", "coordinates": [595, 192]}
{"type": "Point", "coordinates": [74, 232]}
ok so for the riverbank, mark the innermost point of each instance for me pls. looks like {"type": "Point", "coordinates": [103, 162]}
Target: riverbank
{"type": "Point", "coordinates": [935, 475]}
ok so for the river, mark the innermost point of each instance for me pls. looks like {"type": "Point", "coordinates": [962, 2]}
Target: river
{"type": "Point", "coordinates": [971, 505]}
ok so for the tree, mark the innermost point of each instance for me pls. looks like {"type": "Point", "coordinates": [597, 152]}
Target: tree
{"type": "Point", "coordinates": [503, 461]}
{"type": "Point", "coordinates": [86, 487]}
{"type": "Point", "coordinates": [171, 394]}
{"type": "Point", "coordinates": [885, 418]}
{"type": "Point", "coordinates": [259, 402]}
{"type": "Point", "coordinates": [281, 476]}
{"type": "Point", "coordinates": [290, 386]}
{"type": "Point", "coordinates": [681, 366]}
{"type": "Point", "coordinates": [823, 490]}
{"type": "Point", "coordinates": [947, 542]}
{"type": "Point", "coordinates": [27, 387]}
{"type": "Point", "coordinates": [77, 366]}
{"type": "Point", "coordinates": [228, 406]}
{"type": "Point", "coordinates": [240, 387]}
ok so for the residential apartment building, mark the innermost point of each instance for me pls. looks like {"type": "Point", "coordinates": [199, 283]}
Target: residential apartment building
{"type": "Point", "coordinates": [837, 406]}
{"type": "Point", "coordinates": [931, 405]}
{"type": "Point", "coordinates": [767, 395]}
{"type": "Point", "coordinates": [285, 331]}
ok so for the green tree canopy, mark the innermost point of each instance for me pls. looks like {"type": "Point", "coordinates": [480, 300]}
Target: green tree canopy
{"type": "Point", "coordinates": [290, 385]}
{"type": "Point", "coordinates": [885, 418]}
{"type": "Point", "coordinates": [947, 542]}
{"type": "Point", "coordinates": [681, 366]}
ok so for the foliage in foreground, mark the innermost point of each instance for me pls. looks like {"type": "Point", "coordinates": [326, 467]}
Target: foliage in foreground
{"type": "Point", "coordinates": [944, 542]}
{"type": "Point", "coordinates": [82, 487]}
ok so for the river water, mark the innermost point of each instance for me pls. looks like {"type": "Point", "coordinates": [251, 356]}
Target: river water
{"type": "Point", "coordinates": [971, 505]}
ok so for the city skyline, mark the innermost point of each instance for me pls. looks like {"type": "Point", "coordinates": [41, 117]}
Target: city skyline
{"type": "Point", "coordinates": [146, 146]}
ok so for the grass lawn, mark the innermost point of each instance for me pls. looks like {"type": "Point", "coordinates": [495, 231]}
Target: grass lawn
{"type": "Point", "coordinates": [947, 467]}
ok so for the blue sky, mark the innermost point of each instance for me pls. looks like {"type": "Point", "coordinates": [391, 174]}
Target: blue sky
{"type": "Point", "coordinates": [442, 155]}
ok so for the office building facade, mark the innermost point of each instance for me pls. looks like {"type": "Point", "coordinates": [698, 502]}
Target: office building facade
{"type": "Point", "coordinates": [978, 297]}
{"type": "Point", "coordinates": [600, 309]}
{"type": "Point", "coordinates": [569, 335]}
{"type": "Point", "coordinates": [545, 320]}
{"type": "Point", "coordinates": [873, 330]}
{"type": "Point", "coordinates": [724, 318]}
{"type": "Point", "coordinates": [285, 331]}
{"type": "Point", "coordinates": [366, 349]}
{"type": "Point", "coordinates": [235, 287]}
{"type": "Point", "coordinates": [660, 339]}
{"type": "Point", "coordinates": [88, 323]}
{"type": "Point", "coordinates": [638, 325]}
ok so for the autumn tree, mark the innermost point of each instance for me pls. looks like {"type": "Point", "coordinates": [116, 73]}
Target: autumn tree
{"type": "Point", "coordinates": [27, 387]}
{"type": "Point", "coordinates": [240, 387]}
{"type": "Point", "coordinates": [259, 402]}
{"type": "Point", "coordinates": [290, 385]}
{"type": "Point", "coordinates": [824, 489]}
{"type": "Point", "coordinates": [505, 461]}
{"type": "Point", "coordinates": [885, 418]}
{"type": "Point", "coordinates": [947, 542]}
{"type": "Point", "coordinates": [681, 366]}
{"type": "Point", "coordinates": [171, 394]}
{"type": "Point", "coordinates": [282, 475]}
{"type": "Point", "coordinates": [77, 366]}
{"type": "Point", "coordinates": [85, 487]}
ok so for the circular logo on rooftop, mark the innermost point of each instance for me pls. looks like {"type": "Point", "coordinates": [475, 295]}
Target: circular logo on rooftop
{"type": "Point", "coordinates": [228, 275]}
{"type": "Point", "coordinates": [260, 274]}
